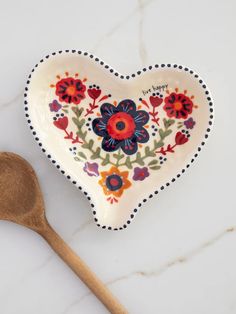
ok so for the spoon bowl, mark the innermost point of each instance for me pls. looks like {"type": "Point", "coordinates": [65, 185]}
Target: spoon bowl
{"type": "Point", "coordinates": [21, 202]}
{"type": "Point", "coordinates": [20, 196]}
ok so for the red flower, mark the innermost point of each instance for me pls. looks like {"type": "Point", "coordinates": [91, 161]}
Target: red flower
{"type": "Point", "coordinates": [180, 138]}
{"type": "Point", "coordinates": [155, 101]}
{"type": "Point", "coordinates": [61, 123]}
{"type": "Point", "coordinates": [94, 93]}
{"type": "Point", "coordinates": [121, 126]}
{"type": "Point", "coordinates": [70, 90]}
{"type": "Point", "coordinates": [178, 106]}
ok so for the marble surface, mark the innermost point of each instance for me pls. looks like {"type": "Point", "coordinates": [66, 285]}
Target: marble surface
{"type": "Point", "coordinates": [178, 256]}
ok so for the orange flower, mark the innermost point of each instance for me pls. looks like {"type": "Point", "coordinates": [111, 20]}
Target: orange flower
{"type": "Point", "coordinates": [114, 181]}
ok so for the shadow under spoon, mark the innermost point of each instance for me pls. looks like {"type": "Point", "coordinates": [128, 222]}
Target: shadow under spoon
{"type": "Point", "coordinates": [21, 202]}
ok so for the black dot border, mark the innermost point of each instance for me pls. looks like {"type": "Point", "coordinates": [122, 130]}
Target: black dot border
{"type": "Point", "coordinates": [122, 77]}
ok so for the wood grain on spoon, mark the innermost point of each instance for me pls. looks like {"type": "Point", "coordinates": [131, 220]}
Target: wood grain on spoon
{"type": "Point", "coordinates": [21, 202]}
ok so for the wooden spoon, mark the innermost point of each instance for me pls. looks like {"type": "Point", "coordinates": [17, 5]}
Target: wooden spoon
{"type": "Point", "coordinates": [21, 202]}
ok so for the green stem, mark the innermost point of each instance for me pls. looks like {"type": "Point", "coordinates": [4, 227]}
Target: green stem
{"type": "Point", "coordinates": [118, 158]}
{"type": "Point", "coordinates": [101, 157]}
{"type": "Point", "coordinates": [152, 150]}
{"type": "Point", "coordinates": [117, 163]}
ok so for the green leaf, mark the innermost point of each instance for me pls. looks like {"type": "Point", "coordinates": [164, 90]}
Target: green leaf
{"type": "Point", "coordinates": [164, 134]}
{"type": "Point", "coordinates": [77, 111]}
{"type": "Point", "coordinates": [155, 167]}
{"type": "Point", "coordinates": [153, 162]}
{"type": "Point", "coordinates": [81, 154]}
{"type": "Point", "coordinates": [139, 159]}
{"type": "Point", "coordinates": [91, 142]}
{"type": "Point", "coordinates": [80, 123]}
{"type": "Point", "coordinates": [96, 154]}
{"type": "Point", "coordinates": [148, 152]}
{"type": "Point", "coordinates": [66, 111]}
{"type": "Point", "coordinates": [158, 144]}
{"type": "Point", "coordinates": [83, 135]}
{"type": "Point", "coordinates": [128, 163]}
{"type": "Point", "coordinates": [167, 132]}
{"type": "Point", "coordinates": [140, 162]}
{"type": "Point", "coordinates": [106, 160]}
{"type": "Point", "coordinates": [161, 133]}
{"type": "Point", "coordinates": [75, 120]}
{"type": "Point", "coordinates": [118, 156]}
{"type": "Point", "coordinates": [168, 122]}
{"type": "Point", "coordinates": [85, 145]}
{"type": "Point", "coordinates": [88, 145]}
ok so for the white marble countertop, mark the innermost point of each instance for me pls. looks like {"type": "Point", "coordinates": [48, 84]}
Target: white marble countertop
{"type": "Point", "coordinates": [178, 256]}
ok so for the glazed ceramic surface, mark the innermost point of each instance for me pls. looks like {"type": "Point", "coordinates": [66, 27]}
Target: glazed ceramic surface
{"type": "Point", "coordinates": [119, 139]}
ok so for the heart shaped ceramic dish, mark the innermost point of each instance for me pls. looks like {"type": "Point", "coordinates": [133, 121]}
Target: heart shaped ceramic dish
{"type": "Point", "coordinates": [119, 139]}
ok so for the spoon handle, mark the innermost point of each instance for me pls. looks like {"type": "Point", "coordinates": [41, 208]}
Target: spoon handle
{"type": "Point", "coordinates": [82, 270]}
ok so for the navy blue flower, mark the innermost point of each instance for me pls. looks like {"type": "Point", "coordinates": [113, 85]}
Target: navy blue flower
{"type": "Point", "coordinates": [121, 127]}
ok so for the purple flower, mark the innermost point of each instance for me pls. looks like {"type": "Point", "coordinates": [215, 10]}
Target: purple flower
{"type": "Point", "coordinates": [55, 106]}
{"type": "Point", "coordinates": [189, 123]}
{"type": "Point", "coordinates": [91, 168]}
{"type": "Point", "coordinates": [140, 173]}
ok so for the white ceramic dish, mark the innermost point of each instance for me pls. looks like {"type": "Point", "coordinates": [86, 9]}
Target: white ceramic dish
{"type": "Point", "coordinates": [119, 139]}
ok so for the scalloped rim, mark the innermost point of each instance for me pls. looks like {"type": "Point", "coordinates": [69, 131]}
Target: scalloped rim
{"type": "Point", "coordinates": [127, 77]}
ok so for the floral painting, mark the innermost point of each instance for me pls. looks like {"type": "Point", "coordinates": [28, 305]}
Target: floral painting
{"type": "Point", "coordinates": [120, 142]}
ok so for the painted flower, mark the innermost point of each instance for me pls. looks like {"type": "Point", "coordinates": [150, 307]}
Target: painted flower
{"type": "Point", "coordinates": [91, 168]}
{"type": "Point", "coordinates": [114, 181]}
{"type": "Point", "coordinates": [180, 138]}
{"type": "Point", "coordinates": [70, 90]}
{"type": "Point", "coordinates": [178, 106]}
{"type": "Point", "coordinates": [94, 92]}
{"type": "Point", "coordinates": [61, 123]}
{"type": "Point", "coordinates": [121, 126]}
{"type": "Point", "coordinates": [55, 106]}
{"type": "Point", "coordinates": [189, 123]}
{"type": "Point", "coordinates": [155, 101]}
{"type": "Point", "coordinates": [140, 173]}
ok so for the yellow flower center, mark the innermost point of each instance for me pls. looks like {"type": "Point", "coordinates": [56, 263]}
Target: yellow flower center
{"type": "Point", "coordinates": [178, 105]}
{"type": "Point", "coordinates": [71, 90]}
